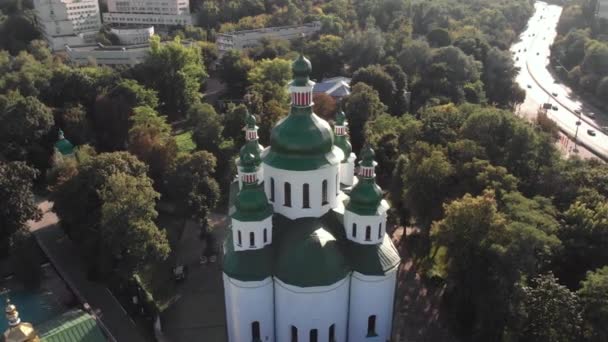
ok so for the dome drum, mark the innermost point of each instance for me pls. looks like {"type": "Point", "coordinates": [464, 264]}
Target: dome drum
{"type": "Point", "coordinates": [299, 194]}
{"type": "Point", "coordinates": [365, 229]}
{"type": "Point", "coordinates": [251, 235]}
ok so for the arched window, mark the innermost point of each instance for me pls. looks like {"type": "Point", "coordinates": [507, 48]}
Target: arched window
{"type": "Point", "coordinates": [368, 233]}
{"type": "Point", "coordinates": [287, 195]}
{"type": "Point", "coordinates": [371, 326]}
{"type": "Point", "coordinates": [265, 235]}
{"type": "Point", "coordinates": [305, 196]}
{"type": "Point", "coordinates": [255, 331]}
{"type": "Point", "coordinates": [239, 239]}
{"type": "Point", "coordinates": [380, 231]}
{"type": "Point", "coordinates": [332, 333]}
{"type": "Point", "coordinates": [251, 239]}
{"type": "Point", "coordinates": [354, 230]}
{"type": "Point", "coordinates": [324, 193]}
{"type": "Point", "coordinates": [271, 189]}
{"type": "Point", "coordinates": [314, 335]}
{"type": "Point", "coordinates": [294, 334]}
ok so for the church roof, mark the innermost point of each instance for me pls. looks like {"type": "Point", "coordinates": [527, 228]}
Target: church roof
{"type": "Point", "coordinates": [63, 145]}
{"type": "Point", "coordinates": [309, 255]}
{"type": "Point", "coordinates": [366, 195]}
{"type": "Point", "coordinates": [374, 260]}
{"type": "Point", "coordinates": [72, 326]}
{"type": "Point", "coordinates": [250, 265]}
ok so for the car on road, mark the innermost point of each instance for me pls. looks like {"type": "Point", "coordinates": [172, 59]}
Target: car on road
{"type": "Point", "coordinates": [577, 112]}
{"type": "Point", "coordinates": [525, 50]}
{"type": "Point", "coordinates": [554, 94]}
{"type": "Point", "coordinates": [554, 107]}
{"type": "Point", "coordinates": [529, 86]}
{"type": "Point", "coordinates": [591, 115]}
{"type": "Point", "coordinates": [538, 53]}
{"type": "Point", "coordinates": [605, 129]}
{"type": "Point", "coordinates": [516, 58]}
{"type": "Point", "coordinates": [591, 132]}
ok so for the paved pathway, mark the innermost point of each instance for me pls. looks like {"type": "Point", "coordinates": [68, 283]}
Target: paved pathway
{"type": "Point", "coordinates": [65, 257]}
{"type": "Point", "coordinates": [198, 314]}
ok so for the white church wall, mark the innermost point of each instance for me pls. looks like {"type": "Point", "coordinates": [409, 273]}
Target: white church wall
{"type": "Point", "coordinates": [347, 171]}
{"type": "Point", "coordinates": [371, 296]}
{"type": "Point", "coordinates": [308, 308]}
{"type": "Point", "coordinates": [296, 180]}
{"type": "Point", "coordinates": [246, 303]}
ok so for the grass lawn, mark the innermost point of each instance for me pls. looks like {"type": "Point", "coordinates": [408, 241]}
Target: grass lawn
{"type": "Point", "coordinates": [185, 142]}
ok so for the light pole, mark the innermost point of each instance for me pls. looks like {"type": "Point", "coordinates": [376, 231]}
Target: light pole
{"type": "Point", "coordinates": [578, 123]}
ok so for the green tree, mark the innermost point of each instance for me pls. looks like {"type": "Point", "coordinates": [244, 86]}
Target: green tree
{"type": "Point", "coordinates": [377, 78]}
{"type": "Point", "coordinates": [24, 123]}
{"type": "Point", "coordinates": [439, 37]}
{"type": "Point", "coordinates": [192, 186]}
{"type": "Point", "coordinates": [75, 124]}
{"type": "Point", "coordinates": [499, 78]}
{"type": "Point", "coordinates": [233, 121]}
{"type": "Point", "coordinates": [362, 48]}
{"type": "Point", "coordinates": [16, 200]}
{"type": "Point", "coordinates": [594, 297]}
{"type": "Point", "coordinates": [176, 72]}
{"type": "Point", "coordinates": [113, 110]}
{"type": "Point", "coordinates": [127, 228]}
{"type": "Point", "coordinates": [207, 131]}
{"type": "Point", "coordinates": [233, 69]}
{"type": "Point", "coordinates": [325, 55]}
{"type": "Point", "coordinates": [360, 106]}
{"type": "Point", "coordinates": [551, 312]}
{"type": "Point", "coordinates": [151, 141]}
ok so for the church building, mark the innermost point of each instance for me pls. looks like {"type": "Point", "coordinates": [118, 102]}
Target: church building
{"type": "Point", "coordinates": [307, 257]}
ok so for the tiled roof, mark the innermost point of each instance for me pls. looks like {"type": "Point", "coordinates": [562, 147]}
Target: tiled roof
{"type": "Point", "coordinates": [72, 326]}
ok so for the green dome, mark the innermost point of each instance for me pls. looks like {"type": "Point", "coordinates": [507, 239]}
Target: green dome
{"type": "Point", "coordinates": [309, 255]}
{"type": "Point", "coordinates": [251, 121]}
{"type": "Point", "coordinates": [301, 69]}
{"type": "Point", "coordinates": [366, 195]}
{"type": "Point", "coordinates": [251, 204]}
{"type": "Point", "coordinates": [342, 140]}
{"type": "Point", "coordinates": [253, 148]}
{"type": "Point", "coordinates": [63, 145]}
{"type": "Point", "coordinates": [251, 265]}
{"type": "Point", "coordinates": [301, 141]}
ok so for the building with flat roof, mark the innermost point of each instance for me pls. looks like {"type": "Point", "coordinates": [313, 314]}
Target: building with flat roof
{"type": "Point", "coordinates": [602, 9]}
{"type": "Point", "coordinates": [130, 36]}
{"type": "Point", "coordinates": [108, 55]}
{"type": "Point", "coordinates": [65, 22]}
{"type": "Point", "coordinates": [239, 40]}
{"type": "Point", "coordinates": [148, 12]}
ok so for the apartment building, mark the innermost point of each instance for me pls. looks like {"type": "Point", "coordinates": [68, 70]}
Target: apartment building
{"type": "Point", "coordinates": [250, 38]}
{"type": "Point", "coordinates": [68, 22]}
{"type": "Point", "coordinates": [148, 12]}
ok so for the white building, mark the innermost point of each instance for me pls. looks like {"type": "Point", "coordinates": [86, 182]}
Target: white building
{"type": "Point", "coordinates": [239, 40]}
{"type": "Point", "coordinates": [307, 257]}
{"type": "Point", "coordinates": [148, 12]}
{"type": "Point", "coordinates": [131, 36]}
{"type": "Point", "coordinates": [107, 55]}
{"type": "Point", "coordinates": [68, 22]}
{"type": "Point", "coordinates": [602, 10]}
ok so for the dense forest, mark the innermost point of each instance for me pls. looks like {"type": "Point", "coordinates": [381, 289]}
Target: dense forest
{"type": "Point", "coordinates": [580, 52]}
{"type": "Point", "coordinates": [514, 236]}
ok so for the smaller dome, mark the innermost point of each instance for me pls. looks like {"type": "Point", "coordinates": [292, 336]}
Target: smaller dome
{"type": "Point", "coordinates": [301, 67]}
{"type": "Point", "coordinates": [251, 204]}
{"type": "Point", "coordinates": [367, 157]}
{"type": "Point", "coordinates": [247, 160]}
{"type": "Point", "coordinates": [340, 118]}
{"type": "Point", "coordinates": [366, 196]}
{"type": "Point", "coordinates": [251, 121]}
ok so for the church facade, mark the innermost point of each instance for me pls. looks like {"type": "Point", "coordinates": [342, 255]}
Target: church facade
{"type": "Point", "coordinates": [307, 257]}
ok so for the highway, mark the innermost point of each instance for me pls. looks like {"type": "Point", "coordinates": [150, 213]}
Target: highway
{"type": "Point", "coordinates": [531, 55]}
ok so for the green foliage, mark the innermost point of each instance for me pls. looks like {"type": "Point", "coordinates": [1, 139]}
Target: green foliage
{"type": "Point", "coordinates": [549, 312]}
{"type": "Point", "coordinates": [127, 228]}
{"type": "Point", "coordinates": [182, 73]}
{"type": "Point", "coordinates": [184, 142]}
{"type": "Point", "coordinates": [25, 259]}
{"type": "Point", "coordinates": [377, 78]}
{"type": "Point", "coordinates": [151, 141]}
{"type": "Point", "coordinates": [594, 297]}
{"type": "Point", "coordinates": [16, 200]}
{"type": "Point", "coordinates": [207, 127]}
{"type": "Point", "coordinates": [192, 186]}
{"type": "Point", "coordinates": [325, 55]}
{"type": "Point", "coordinates": [233, 69]}
{"type": "Point", "coordinates": [25, 122]}
{"type": "Point", "coordinates": [360, 106]}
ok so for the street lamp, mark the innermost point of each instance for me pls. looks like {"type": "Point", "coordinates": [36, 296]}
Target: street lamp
{"type": "Point", "coordinates": [578, 123]}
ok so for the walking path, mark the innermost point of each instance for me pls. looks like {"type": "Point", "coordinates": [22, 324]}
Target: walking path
{"type": "Point", "coordinates": [65, 257]}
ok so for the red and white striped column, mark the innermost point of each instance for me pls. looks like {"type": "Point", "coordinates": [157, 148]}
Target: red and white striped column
{"type": "Point", "coordinates": [249, 178]}
{"type": "Point", "coordinates": [301, 96]}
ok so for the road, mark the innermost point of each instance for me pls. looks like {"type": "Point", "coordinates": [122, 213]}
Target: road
{"type": "Point", "coordinates": [531, 55]}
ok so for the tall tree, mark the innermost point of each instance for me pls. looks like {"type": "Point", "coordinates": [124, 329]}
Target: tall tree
{"type": "Point", "coordinates": [360, 106]}
{"type": "Point", "coordinates": [207, 133]}
{"type": "Point", "coordinates": [16, 200]}
{"type": "Point", "coordinates": [594, 298]}
{"type": "Point", "coordinates": [176, 72]}
{"type": "Point", "coordinates": [232, 69]}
